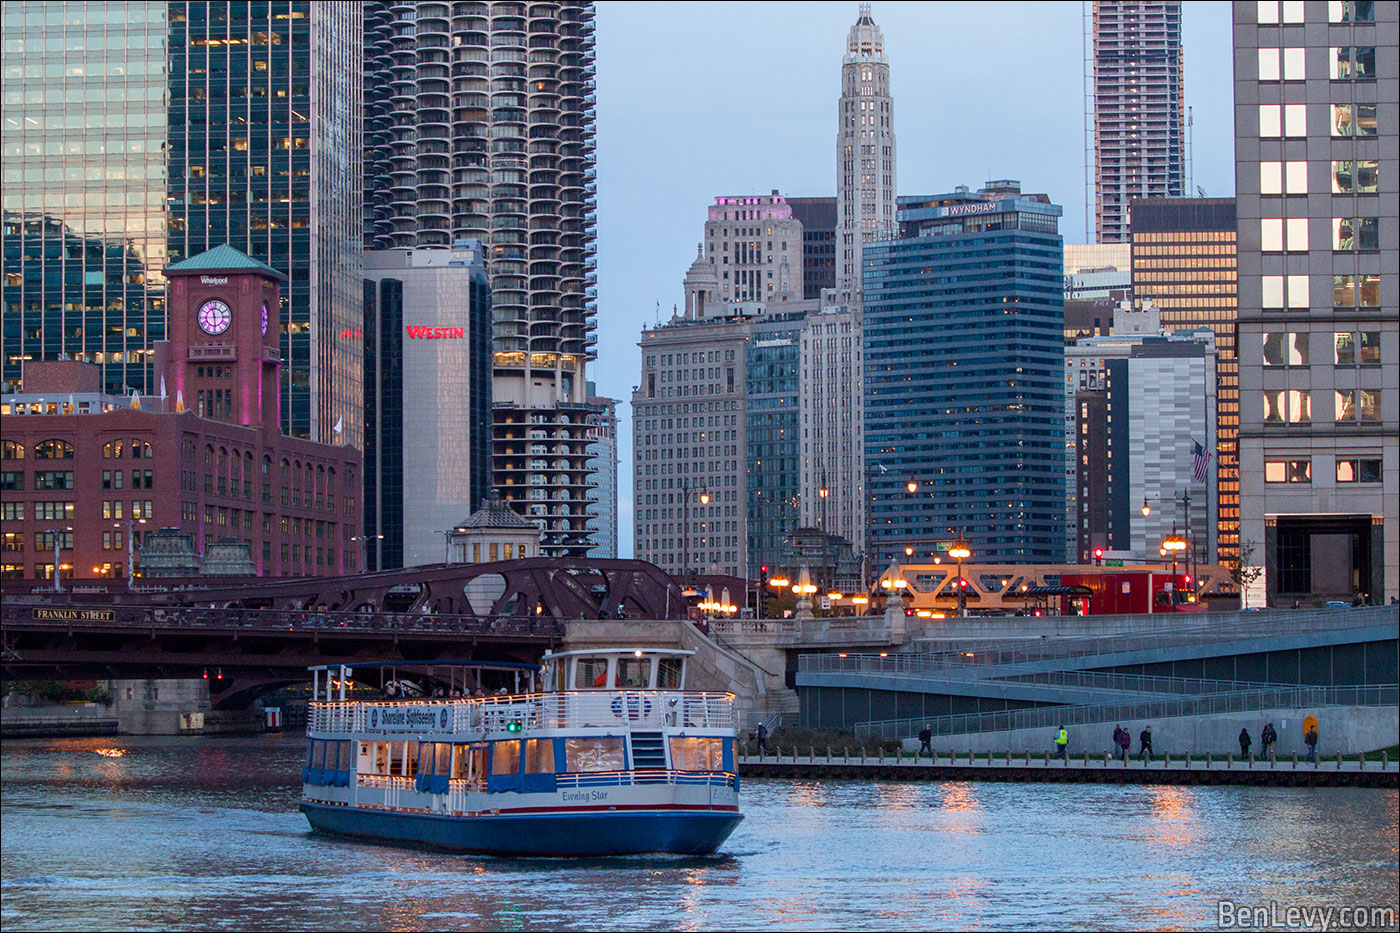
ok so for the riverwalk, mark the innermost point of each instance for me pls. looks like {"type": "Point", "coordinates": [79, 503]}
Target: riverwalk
{"type": "Point", "coordinates": [1028, 767]}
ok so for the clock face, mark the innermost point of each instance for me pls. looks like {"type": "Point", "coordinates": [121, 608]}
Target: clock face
{"type": "Point", "coordinates": [264, 318]}
{"type": "Point", "coordinates": [214, 317]}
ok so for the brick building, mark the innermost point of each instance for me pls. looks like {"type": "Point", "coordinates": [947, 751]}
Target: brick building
{"type": "Point", "coordinates": [93, 472]}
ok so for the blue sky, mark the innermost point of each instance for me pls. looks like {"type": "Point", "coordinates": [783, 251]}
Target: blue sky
{"type": "Point", "coordinates": [697, 100]}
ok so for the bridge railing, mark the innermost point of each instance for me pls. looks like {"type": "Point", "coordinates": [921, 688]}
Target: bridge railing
{"type": "Point", "coordinates": [294, 620]}
{"type": "Point", "coordinates": [1220, 627]}
{"type": "Point", "coordinates": [1051, 717]}
{"type": "Point", "coordinates": [571, 710]}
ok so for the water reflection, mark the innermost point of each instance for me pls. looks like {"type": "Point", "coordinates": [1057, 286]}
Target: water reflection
{"type": "Point", "coordinates": [210, 838]}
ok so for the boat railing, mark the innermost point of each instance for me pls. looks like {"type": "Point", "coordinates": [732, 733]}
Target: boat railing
{"type": "Point", "coordinates": [568, 710]}
{"type": "Point", "coordinates": [590, 779]}
{"type": "Point", "coordinates": [388, 781]}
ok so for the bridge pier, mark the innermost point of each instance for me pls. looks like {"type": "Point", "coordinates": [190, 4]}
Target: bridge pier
{"type": "Point", "coordinates": [170, 706]}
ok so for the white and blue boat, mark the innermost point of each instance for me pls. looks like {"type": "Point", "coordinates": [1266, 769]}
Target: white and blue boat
{"type": "Point", "coordinates": [612, 756]}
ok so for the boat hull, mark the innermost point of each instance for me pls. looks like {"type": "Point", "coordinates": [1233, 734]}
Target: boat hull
{"type": "Point", "coordinates": [584, 833]}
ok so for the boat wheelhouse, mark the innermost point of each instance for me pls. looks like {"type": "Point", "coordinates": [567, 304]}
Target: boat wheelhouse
{"type": "Point", "coordinates": [612, 755]}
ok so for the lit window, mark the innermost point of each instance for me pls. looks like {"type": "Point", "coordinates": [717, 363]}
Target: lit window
{"type": "Point", "coordinates": [1298, 243]}
{"type": "Point", "coordinates": [1270, 121]}
{"type": "Point", "coordinates": [1298, 291]}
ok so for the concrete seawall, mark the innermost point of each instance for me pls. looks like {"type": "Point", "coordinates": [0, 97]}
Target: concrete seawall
{"type": "Point", "coordinates": [1349, 730]}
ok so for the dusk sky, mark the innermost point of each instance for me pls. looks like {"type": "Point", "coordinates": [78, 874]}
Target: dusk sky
{"type": "Point", "coordinates": [697, 100]}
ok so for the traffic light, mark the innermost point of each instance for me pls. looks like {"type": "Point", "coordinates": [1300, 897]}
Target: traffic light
{"type": "Point", "coordinates": [1098, 557]}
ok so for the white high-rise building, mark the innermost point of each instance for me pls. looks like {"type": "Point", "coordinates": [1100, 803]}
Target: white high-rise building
{"type": "Point", "coordinates": [831, 405]}
{"type": "Point", "coordinates": [756, 246]}
{"type": "Point", "coordinates": [865, 154]}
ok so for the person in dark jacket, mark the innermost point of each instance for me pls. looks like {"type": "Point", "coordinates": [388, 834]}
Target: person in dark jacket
{"type": "Point", "coordinates": [1125, 744]}
{"type": "Point", "coordinates": [1268, 737]}
{"type": "Point", "coordinates": [762, 736]}
{"type": "Point", "coordinates": [1145, 744]}
{"type": "Point", "coordinates": [1245, 742]}
{"type": "Point", "coordinates": [1310, 740]}
{"type": "Point", "coordinates": [926, 740]}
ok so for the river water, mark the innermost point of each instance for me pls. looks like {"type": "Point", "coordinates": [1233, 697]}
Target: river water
{"type": "Point", "coordinates": [156, 833]}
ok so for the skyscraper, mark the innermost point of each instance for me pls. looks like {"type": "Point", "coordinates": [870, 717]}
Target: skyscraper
{"type": "Point", "coordinates": [964, 370]}
{"type": "Point", "coordinates": [1184, 261]}
{"type": "Point", "coordinates": [1139, 117]}
{"type": "Point", "coordinates": [479, 123]}
{"type": "Point", "coordinates": [140, 133]}
{"type": "Point", "coordinates": [818, 218]}
{"type": "Point", "coordinates": [865, 156]}
{"type": "Point", "coordinates": [602, 465]}
{"type": "Point", "coordinates": [1316, 93]}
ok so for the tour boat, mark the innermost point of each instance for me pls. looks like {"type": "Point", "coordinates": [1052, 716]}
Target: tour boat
{"type": "Point", "coordinates": [612, 756]}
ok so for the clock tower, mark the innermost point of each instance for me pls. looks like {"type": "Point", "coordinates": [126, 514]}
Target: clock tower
{"type": "Point", "coordinates": [224, 324]}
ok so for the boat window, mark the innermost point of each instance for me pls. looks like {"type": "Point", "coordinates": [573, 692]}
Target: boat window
{"type": "Point", "coordinates": [668, 673]}
{"type": "Point", "coordinates": [505, 757]}
{"type": "Point", "coordinates": [381, 757]}
{"type": "Point", "coordinates": [342, 754]}
{"type": "Point", "coordinates": [633, 672]}
{"type": "Point", "coordinates": [591, 672]}
{"type": "Point", "coordinates": [442, 762]}
{"type": "Point", "coordinates": [393, 750]}
{"type": "Point", "coordinates": [539, 756]}
{"type": "Point", "coordinates": [595, 754]}
{"type": "Point", "coordinates": [697, 754]}
{"type": "Point", "coordinates": [470, 763]}
{"type": "Point", "coordinates": [314, 748]}
{"type": "Point", "coordinates": [410, 759]}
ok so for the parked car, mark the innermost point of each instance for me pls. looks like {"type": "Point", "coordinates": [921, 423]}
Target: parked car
{"type": "Point", "coordinates": [1336, 604]}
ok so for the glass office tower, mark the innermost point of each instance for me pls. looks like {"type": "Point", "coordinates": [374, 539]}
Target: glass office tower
{"type": "Point", "coordinates": [964, 372]}
{"type": "Point", "coordinates": [140, 133]}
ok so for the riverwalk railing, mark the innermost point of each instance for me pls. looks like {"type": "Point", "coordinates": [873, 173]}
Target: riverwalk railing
{"type": "Point", "coordinates": [1050, 717]}
{"type": "Point", "coordinates": [568, 710]}
{"type": "Point", "coordinates": [1232, 626]}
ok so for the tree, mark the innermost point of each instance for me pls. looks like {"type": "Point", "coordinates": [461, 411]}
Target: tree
{"type": "Point", "coordinates": [1243, 572]}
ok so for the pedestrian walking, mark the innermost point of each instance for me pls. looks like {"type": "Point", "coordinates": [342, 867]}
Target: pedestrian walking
{"type": "Point", "coordinates": [926, 740]}
{"type": "Point", "coordinates": [1145, 744]}
{"type": "Point", "coordinates": [1125, 744]}
{"type": "Point", "coordinates": [1117, 734]}
{"type": "Point", "coordinates": [1245, 742]}
{"type": "Point", "coordinates": [1268, 737]}
{"type": "Point", "coordinates": [1310, 740]}
{"type": "Point", "coordinates": [761, 735]}
{"type": "Point", "coordinates": [1061, 743]}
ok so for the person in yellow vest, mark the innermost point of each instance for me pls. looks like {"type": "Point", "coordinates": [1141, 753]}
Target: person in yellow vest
{"type": "Point", "coordinates": [1061, 742]}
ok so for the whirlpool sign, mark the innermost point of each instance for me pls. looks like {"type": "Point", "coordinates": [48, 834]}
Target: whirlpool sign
{"type": "Point", "coordinates": [410, 718]}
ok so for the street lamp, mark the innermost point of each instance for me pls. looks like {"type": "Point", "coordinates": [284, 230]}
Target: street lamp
{"type": "Point", "coordinates": [1174, 544]}
{"type": "Point", "coordinates": [57, 534]}
{"type": "Point", "coordinates": [130, 548]}
{"type": "Point", "coordinates": [704, 494]}
{"type": "Point", "coordinates": [960, 551]}
{"type": "Point", "coordinates": [362, 539]}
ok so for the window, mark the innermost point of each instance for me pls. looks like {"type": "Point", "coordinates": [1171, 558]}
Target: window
{"type": "Point", "coordinates": [1285, 349]}
{"type": "Point", "coordinates": [1361, 233]}
{"type": "Point", "coordinates": [1350, 11]}
{"type": "Point", "coordinates": [697, 754]}
{"type": "Point", "coordinates": [44, 540]}
{"type": "Point", "coordinates": [1287, 406]}
{"type": "Point", "coordinates": [594, 754]}
{"type": "Point", "coordinates": [53, 450]}
{"type": "Point", "coordinates": [112, 450]}
{"type": "Point", "coordinates": [53, 511]}
{"type": "Point", "coordinates": [1358, 470]}
{"type": "Point", "coordinates": [1358, 405]}
{"type": "Point", "coordinates": [1288, 471]}
{"type": "Point", "coordinates": [11, 450]}
{"type": "Point", "coordinates": [1346, 349]}
{"type": "Point", "coordinates": [12, 511]}
{"type": "Point", "coordinates": [591, 672]}
{"type": "Point", "coordinates": [1352, 290]}
{"type": "Point", "coordinates": [12, 480]}
{"type": "Point", "coordinates": [1361, 176]}
{"type": "Point", "coordinates": [1281, 63]}
{"type": "Point", "coordinates": [505, 757]}
{"type": "Point", "coordinates": [53, 479]}
{"type": "Point", "coordinates": [668, 674]}
{"type": "Point", "coordinates": [539, 756]}
{"type": "Point", "coordinates": [1277, 234]}
{"type": "Point", "coordinates": [1354, 120]}
{"type": "Point", "coordinates": [1352, 64]}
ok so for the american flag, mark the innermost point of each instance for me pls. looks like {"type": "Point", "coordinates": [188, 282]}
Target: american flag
{"type": "Point", "coordinates": [1200, 460]}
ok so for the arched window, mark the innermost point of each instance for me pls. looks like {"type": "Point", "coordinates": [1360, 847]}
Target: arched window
{"type": "Point", "coordinates": [140, 450]}
{"type": "Point", "coordinates": [11, 450]}
{"type": "Point", "coordinates": [53, 449]}
{"type": "Point", "coordinates": [112, 450]}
